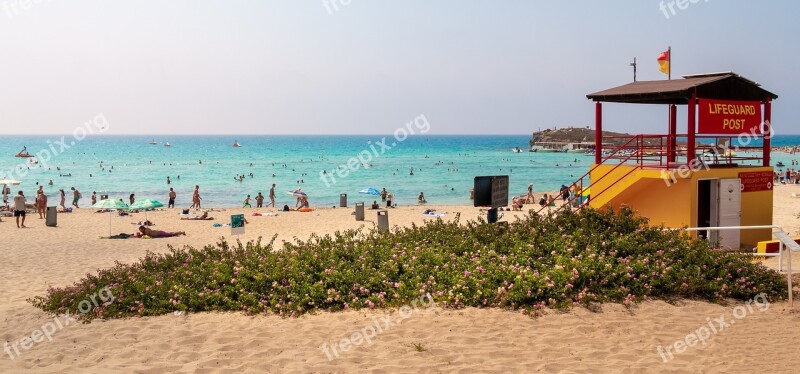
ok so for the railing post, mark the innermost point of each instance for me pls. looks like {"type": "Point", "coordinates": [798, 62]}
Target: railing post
{"type": "Point", "coordinates": [691, 125]}
{"type": "Point", "coordinates": [766, 131]}
{"type": "Point", "coordinates": [598, 132]}
{"type": "Point", "coordinates": [673, 129]}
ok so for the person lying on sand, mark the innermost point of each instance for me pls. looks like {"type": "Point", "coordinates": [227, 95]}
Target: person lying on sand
{"type": "Point", "coordinates": [203, 217]}
{"type": "Point", "coordinates": [157, 233]}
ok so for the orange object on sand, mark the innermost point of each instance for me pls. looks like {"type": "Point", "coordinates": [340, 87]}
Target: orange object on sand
{"type": "Point", "coordinates": [305, 210]}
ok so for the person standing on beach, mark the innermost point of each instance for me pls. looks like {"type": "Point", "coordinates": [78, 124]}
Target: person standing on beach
{"type": "Point", "coordinates": [39, 193]}
{"type": "Point", "coordinates": [259, 200]}
{"type": "Point", "coordinates": [172, 196]}
{"type": "Point", "coordinates": [132, 199]}
{"type": "Point", "coordinates": [76, 195]}
{"type": "Point", "coordinates": [42, 207]}
{"type": "Point", "coordinates": [94, 197]}
{"type": "Point", "coordinates": [196, 197]}
{"type": "Point", "coordinates": [247, 202]}
{"type": "Point", "coordinates": [41, 202]}
{"type": "Point", "coordinates": [389, 199]}
{"type": "Point", "coordinates": [530, 199]}
{"type": "Point", "coordinates": [63, 199]}
{"type": "Point", "coordinates": [19, 208]}
{"type": "Point", "coordinates": [383, 194]}
{"type": "Point", "coordinates": [272, 196]}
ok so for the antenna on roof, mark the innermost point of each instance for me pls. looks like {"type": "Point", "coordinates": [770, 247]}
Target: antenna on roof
{"type": "Point", "coordinates": [634, 68]}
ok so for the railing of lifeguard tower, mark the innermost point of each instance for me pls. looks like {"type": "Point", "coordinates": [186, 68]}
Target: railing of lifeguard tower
{"type": "Point", "coordinates": [579, 181]}
{"type": "Point", "coordinates": [656, 150]}
{"type": "Point", "coordinates": [661, 151]}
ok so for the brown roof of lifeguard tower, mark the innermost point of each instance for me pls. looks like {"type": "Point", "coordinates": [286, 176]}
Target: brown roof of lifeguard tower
{"type": "Point", "coordinates": [723, 86]}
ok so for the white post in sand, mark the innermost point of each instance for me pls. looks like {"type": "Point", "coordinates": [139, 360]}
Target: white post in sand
{"type": "Point", "coordinates": [789, 276]}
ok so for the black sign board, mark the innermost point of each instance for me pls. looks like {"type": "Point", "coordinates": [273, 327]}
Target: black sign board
{"type": "Point", "coordinates": [491, 191]}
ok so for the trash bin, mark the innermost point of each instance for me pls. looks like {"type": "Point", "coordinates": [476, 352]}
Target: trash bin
{"type": "Point", "coordinates": [360, 211]}
{"type": "Point", "coordinates": [491, 215]}
{"type": "Point", "coordinates": [51, 217]}
{"type": "Point", "coordinates": [343, 200]}
{"type": "Point", "coordinates": [383, 220]}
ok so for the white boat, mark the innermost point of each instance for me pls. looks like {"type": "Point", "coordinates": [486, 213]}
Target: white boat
{"type": "Point", "coordinates": [236, 144]}
{"type": "Point", "coordinates": [167, 144]}
{"type": "Point", "coordinates": [516, 150]}
{"type": "Point", "coordinates": [153, 142]}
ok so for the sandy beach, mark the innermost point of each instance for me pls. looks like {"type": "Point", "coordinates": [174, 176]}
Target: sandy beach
{"type": "Point", "coordinates": [608, 339]}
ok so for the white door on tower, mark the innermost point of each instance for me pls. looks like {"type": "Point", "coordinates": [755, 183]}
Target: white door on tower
{"type": "Point", "coordinates": [730, 211]}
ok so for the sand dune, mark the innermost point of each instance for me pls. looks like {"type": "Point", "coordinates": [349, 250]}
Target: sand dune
{"type": "Point", "coordinates": [611, 339]}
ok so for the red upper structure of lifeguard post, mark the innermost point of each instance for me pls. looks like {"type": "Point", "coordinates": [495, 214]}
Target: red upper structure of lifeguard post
{"type": "Point", "coordinates": [732, 106]}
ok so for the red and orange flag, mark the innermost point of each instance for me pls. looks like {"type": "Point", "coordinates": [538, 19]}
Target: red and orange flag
{"type": "Point", "coordinates": [663, 62]}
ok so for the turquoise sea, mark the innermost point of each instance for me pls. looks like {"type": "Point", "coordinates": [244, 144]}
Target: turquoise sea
{"type": "Point", "coordinates": [444, 166]}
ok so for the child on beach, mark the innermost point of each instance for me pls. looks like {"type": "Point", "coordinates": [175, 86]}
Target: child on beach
{"type": "Point", "coordinates": [246, 202]}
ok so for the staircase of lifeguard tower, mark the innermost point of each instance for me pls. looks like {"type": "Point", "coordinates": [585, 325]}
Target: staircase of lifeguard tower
{"type": "Point", "coordinates": [618, 172]}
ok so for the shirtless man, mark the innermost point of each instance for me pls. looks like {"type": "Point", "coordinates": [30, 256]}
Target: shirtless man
{"type": "Point", "coordinates": [172, 196]}
{"type": "Point", "coordinates": [76, 195]}
{"type": "Point", "coordinates": [272, 196]}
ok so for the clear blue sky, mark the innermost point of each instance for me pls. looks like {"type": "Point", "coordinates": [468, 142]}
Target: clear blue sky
{"type": "Point", "coordinates": [294, 67]}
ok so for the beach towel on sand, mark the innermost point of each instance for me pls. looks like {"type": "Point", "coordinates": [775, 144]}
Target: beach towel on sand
{"type": "Point", "coordinates": [434, 214]}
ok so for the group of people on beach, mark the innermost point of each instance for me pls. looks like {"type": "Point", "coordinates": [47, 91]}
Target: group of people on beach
{"type": "Point", "coordinates": [789, 176]}
{"type": "Point", "coordinates": [20, 203]}
{"type": "Point", "coordinates": [260, 199]}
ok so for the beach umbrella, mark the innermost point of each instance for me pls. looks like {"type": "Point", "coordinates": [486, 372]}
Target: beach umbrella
{"type": "Point", "coordinates": [110, 204]}
{"type": "Point", "coordinates": [370, 191]}
{"type": "Point", "coordinates": [146, 204]}
{"type": "Point", "coordinates": [298, 193]}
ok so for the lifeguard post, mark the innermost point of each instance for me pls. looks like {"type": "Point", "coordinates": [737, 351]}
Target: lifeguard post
{"type": "Point", "coordinates": [718, 173]}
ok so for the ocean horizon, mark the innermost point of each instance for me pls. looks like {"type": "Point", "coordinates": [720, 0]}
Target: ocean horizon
{"type": "Point", "coordinates": [444, 166]}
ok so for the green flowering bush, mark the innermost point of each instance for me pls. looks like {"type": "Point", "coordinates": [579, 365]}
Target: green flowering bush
{"type": "Point", "coordinates": [534, 263]}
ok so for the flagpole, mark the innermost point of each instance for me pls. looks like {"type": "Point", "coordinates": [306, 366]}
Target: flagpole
{"type": "Point", "coordinates": [669, 70]}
